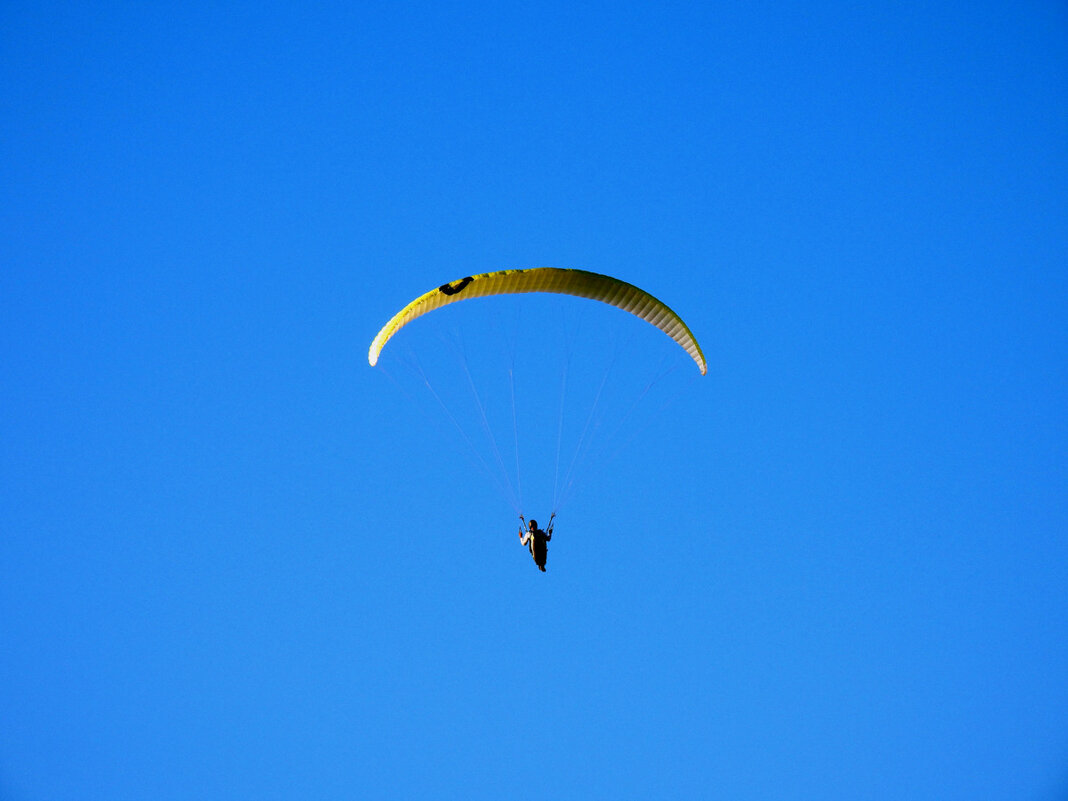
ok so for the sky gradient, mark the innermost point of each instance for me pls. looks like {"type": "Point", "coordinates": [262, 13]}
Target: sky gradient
{"type": "Point", "coordinates": [236, 561]}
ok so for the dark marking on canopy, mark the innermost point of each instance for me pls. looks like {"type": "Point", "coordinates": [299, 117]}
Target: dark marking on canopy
{"type": "Point", "coordinates": [450, 289]}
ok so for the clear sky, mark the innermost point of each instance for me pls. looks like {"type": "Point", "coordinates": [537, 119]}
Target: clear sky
{"type": "Point", "coordinates": [238, 562]}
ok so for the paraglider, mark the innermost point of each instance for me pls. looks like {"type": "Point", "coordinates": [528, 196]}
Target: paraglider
{"type": "Point", "coordinates": [551, 280]}
{"type": "Point", "coordinates": [537, 540]}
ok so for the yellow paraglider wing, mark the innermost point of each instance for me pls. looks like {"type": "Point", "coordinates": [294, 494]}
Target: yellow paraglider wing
{"type": "Point", "coordinates": [580, 283]}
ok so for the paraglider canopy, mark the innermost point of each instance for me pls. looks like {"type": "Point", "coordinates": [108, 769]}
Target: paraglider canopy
{"type": "Point", "coordinates": [580, 283]}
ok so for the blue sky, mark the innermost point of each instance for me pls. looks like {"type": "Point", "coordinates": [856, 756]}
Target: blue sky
{"type": "Point", "coordinates": [236, 561]}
